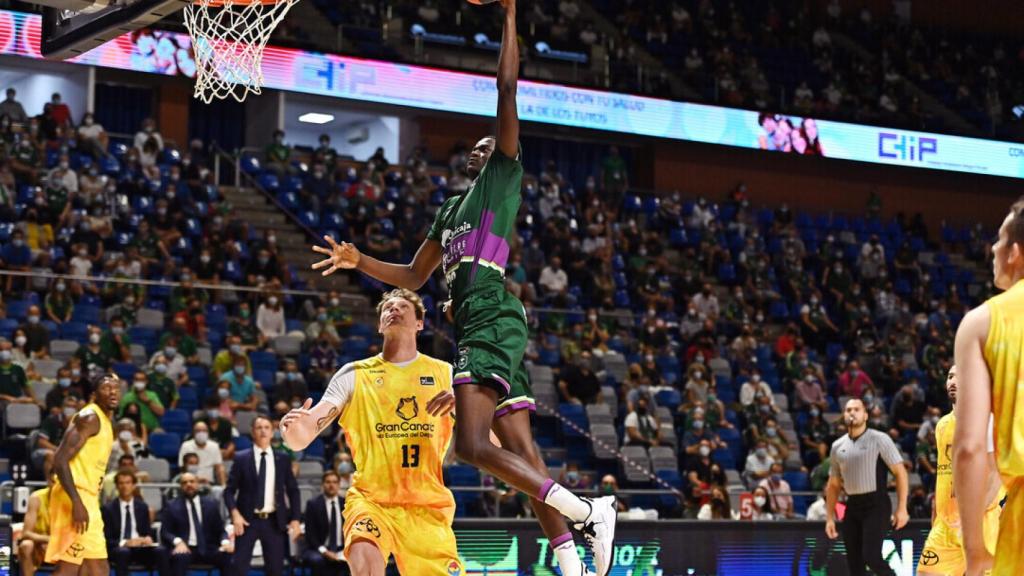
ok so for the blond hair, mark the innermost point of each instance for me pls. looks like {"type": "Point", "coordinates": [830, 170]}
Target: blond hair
{"type": "Point", "coordinates": [407, 295]}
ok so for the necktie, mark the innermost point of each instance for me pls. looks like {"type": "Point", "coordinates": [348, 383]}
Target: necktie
{"type": "Point", "coordinates": [261, 482]}
{"type": "Point", "coordinates": [332, 541]}
{"type": "Point", "coordinates": [200, 537]}
{"type": "Point", "coordinates": [127, 521]}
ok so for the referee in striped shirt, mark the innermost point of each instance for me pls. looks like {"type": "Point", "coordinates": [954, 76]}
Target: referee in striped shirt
{"type": "Point", "coordinates": [860, 462]}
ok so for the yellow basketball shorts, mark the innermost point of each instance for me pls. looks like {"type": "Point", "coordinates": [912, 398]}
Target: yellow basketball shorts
{"type": "Point", "coordinates": [420, 538]}
{"type": "Point", "coordinates": [66, 544]}
{"type": "Point", "coordinates": [1010, 548]}
{"type": "Point", "coordinates": [944, 549]}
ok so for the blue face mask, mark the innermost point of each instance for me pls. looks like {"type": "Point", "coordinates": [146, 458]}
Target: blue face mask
{"type": "Point", "coordinates": [293, 376]}
{"type": "Point", "coordinates": [239, 370]}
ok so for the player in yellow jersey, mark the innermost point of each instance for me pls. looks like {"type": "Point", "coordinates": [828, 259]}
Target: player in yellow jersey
{"type": "Point", "coordinates": [943, 552]}
{"type": "Point", "coordinates": [36, 531]}
{"type": "Point", "coordinates": [990, 360]}
{"type": "Point", "coordinates": [77, 544]}
{"type": "Point", "coordinates": [395, 409]}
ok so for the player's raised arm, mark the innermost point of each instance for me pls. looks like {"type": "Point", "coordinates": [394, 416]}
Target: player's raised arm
{"type": "Point", "coordinates": [970, 454]}
{"type": "Point", "coordinates": [412, 276]}
{"type": "Point", "coordinates": [507, 130]}
{"type": "Point", "coordinates": [85, 426]}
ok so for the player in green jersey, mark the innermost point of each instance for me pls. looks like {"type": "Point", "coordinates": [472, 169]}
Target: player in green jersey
{"type": "Point", "coordinates": [470, 239]}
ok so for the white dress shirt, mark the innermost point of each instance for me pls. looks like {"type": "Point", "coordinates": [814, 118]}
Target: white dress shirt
{"type": "Point", "coordinates": [330, 503]}
{"type": "Point", "coordinates": [268, 490]}
{"type": "Point", "coordinates": [128, 510]}
{"type": "Point", "coordinates": [192, 538]}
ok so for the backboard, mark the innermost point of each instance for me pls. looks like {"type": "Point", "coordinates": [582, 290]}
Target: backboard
{"type": "Point", "coordinates": [73, 27]}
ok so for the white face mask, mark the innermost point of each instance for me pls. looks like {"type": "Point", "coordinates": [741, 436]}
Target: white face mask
{"type": "Point", "coordinates": [202, 437]}
{"type": "Point", "coordinates": [124, 436]}
{"type": "Point", "coordinates": [759, 501]}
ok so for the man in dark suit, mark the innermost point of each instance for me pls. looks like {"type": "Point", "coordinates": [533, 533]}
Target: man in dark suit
{"type": "Point", "coordinates": [263, 498]}
{"type": "Point", "coordinates": [324, 539]}
{"type": "Point", "coordinates": [126, 526]}
{"type": "Point", "coordinates": [192, 529]}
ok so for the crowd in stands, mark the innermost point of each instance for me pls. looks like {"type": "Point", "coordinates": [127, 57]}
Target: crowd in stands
{"type": "Point", "coordinates": [711, 340]}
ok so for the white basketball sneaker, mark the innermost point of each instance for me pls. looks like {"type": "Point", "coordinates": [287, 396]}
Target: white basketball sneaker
{"type": "Point", "coordinates": [599, 531]}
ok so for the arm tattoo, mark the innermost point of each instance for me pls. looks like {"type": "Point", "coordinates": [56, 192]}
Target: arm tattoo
{"type": "Point", "coordinates": [326, 420]}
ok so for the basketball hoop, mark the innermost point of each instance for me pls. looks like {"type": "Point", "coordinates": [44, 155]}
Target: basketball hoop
{"type": "Point", "coordinates": [228, 39]}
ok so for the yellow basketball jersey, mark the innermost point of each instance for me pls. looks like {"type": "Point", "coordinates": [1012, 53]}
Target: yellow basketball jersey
{"type": "Point", "coordinates": [945, 504]}
{"type": "Point", "coordinates": [1003, 349]}
{"type": "Point", "coordinates": [90, 464]}
{"type": "Point", "coordinates": [397, 447]}
{"type": "Point", "coordinates": [945, 498]}
{"type": "Point", "coordinates": [43, 515]}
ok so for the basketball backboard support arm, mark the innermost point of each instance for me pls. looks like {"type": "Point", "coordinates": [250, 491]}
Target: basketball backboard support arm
{"type": "Point", "coordinates": [71, 30]}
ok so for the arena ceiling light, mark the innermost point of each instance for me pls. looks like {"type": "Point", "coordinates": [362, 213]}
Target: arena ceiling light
{"type": "Point", "coordinates": [316, 118]}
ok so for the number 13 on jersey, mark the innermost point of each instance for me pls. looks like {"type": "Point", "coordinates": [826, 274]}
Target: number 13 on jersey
{"type": "Point", "coordinates": [410, 455]}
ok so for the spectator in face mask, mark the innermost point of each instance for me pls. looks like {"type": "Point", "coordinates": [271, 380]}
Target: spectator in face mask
{"type": "Point", "coordinates": [219, 426]}
{"type": "Point", "coordinates": [758, 464]}
{"type": "Point", "coordinates": [345, 469]}
{"type": "Point", "coordinates": [290, 382]}
{"type": "Point", "coordinates": [572, 479]}
{"type": "Point", "coordinates": [92, 138]}
{"type": "Point", "coordinates": [116, 343]}
{"type": "Point", "coordinates": [753, 386]}
{"type": "Point", "coordinates": [762, 506]}
{"type": "Point", "coordinates": [190, 466]}
{"type": "Point", "coordinates": [150, 409]}
{"type": "Point", "coordinates": [183, 342]}
{"type": "Point", "coordinates": [211, 462]}
{"type": "Point", "coordinates": [610, 487]}
{"type": "Point", "coordinates": [127, 442]}
{"type": "Point", "coordinates": [222, 398]}
{"type": "Point", "coordinates": [59, 305]}
{"type": "Point", "coordinates": [779, 496]}
{"type": "Point", "coordinates": [718, 507]}
{"type": "Point", "coordinates": [66, 386]}
{"type": "Point", "coordinates": [160, 384]}
{"type": "Point", "coordinates": [92, 354]}
{"type": "Point", "coordinates": [37, 337]}
{"type": "Point", "coordinates": [322, 326]}
{"type": "Point", "coordinates": [14, 388]}
{"type": "Point", "coordinates": [242, 388]}
{"type": "Point", "coordinates": [270, 319]}
{"type": "Point", "coordinates": [578, 383]}
{"type": "Point", "coordinates": [108, 490]}
{"type": "Point", "coordinates": [641, 427]}
{"type": "Point", "coordinates": [51, 432]}
{"type": "Point", "coordinates": [173, 360]}
{"type": "Point", "coordinates": [226, 358]}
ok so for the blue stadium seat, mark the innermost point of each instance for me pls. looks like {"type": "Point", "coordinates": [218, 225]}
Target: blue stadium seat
{"type": "Point", "coordinates": [17, 309]}
{"type": "Point", "coordinates": [165, 445]}
{"type": "Point", "coordinates": [670, 399]}
{"type": "Point", "coordinates": [124, 370]}
{"type": "Point", "coordinates": [577, 415]}
{"type": "Point", "coordinates": [177, 421]}
{"type": "Point", "coordinates": [242, 442]}
{"type": "Point", "coordinates": [315, 451]}
{"type": "Point", "coordinates": [463, 475]}
{"type": "Point", "coordinates": [198, 376]}
{"type": "Point", "coordinates": [263, 360]}
{"type": "Point", "coordinates": [188, 398]}
{"type": "Point", "coordinates": [76, 331]}
{"type": "Point", "coordinates": [548, 357]}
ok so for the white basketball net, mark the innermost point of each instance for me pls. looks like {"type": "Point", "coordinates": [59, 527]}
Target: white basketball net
{"type": "Point", "coordinates": [228, 40]}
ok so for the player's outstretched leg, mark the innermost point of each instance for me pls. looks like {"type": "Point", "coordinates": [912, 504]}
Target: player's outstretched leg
{"type": "Point", "coordinates": [514, 433]}
{"type": "Point", "coordinates": [594, 518]}
{"type": "Point", "coordinates": [364, 559]}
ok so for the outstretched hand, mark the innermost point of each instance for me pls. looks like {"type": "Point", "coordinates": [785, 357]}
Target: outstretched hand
{"type": "Point", "coordinates": [344, 256]}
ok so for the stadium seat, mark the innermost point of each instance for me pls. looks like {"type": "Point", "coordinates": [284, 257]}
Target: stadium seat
{"type": "Point", "coordinates": [165, 445]}
{"type": "Point", "coordinates": [159, 470]}
{"type": "Point", "coordinates": [178, 421]}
